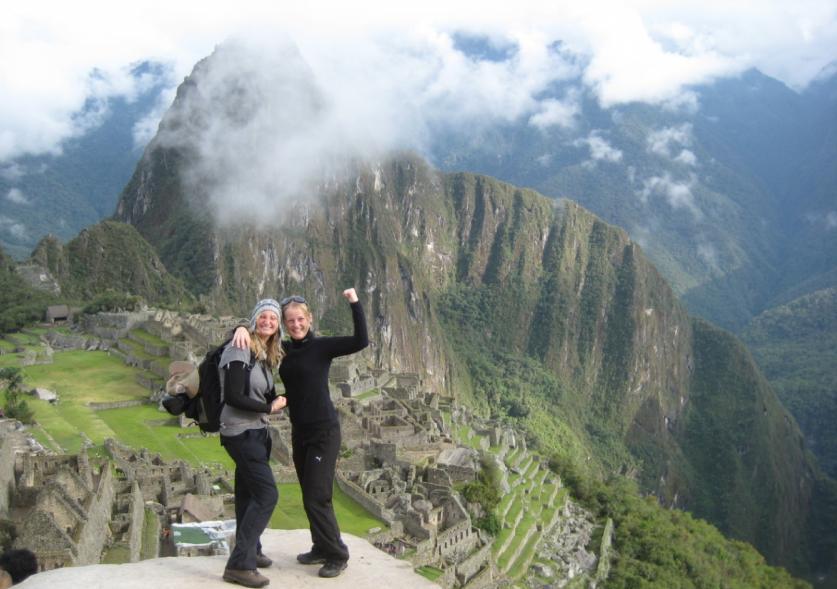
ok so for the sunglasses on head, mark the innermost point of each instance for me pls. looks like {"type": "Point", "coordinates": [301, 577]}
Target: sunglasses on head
{"type": "Point", "coordinates": [292, 299]}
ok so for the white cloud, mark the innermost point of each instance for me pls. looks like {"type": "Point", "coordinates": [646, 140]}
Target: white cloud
{"type": "Point", "coordinates": [145, 129]}
{"type": "Point", "coordinates": [67, 55]}
{"type": "Point", "coordinates": [600, 149]}
{"type": "Point", "coordinates": [707, 252]}
{"type": "Point", "coordinates": [13, 228]}
{"type": "Point", "coordinates": [16, 196]}
{"type": "Point", "coordinates": [559, 113]}
{"type": "Point", "coordinates": [12, 172]}
{"type": "Point", "coordinates": [677, 194]}
{"type": "Point", "coordinates": [666, 141]}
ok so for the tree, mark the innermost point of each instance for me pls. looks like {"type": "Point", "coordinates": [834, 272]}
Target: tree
{"type": "Point", "coordinates": [15, 406]}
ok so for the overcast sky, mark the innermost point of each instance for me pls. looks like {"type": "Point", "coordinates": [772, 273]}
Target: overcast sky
{"type": "Point", "coordinates": [56, 55]}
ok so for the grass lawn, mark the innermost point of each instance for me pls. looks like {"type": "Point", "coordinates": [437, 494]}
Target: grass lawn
{"type": "Point", "coordinates": [82, 377]}
{"type": "Point", "coordinates": [150, 338]}
{"type": "Point", "coordinates": [290, 515]}
{"type": "Point", "coordinates": [521, 565]}
{"type": "Point", "coordinates": [147, 427]}
{"type": "Point", "coordinates": [371, 393]}
{"type": "Point", "coordinates": [429, 572]}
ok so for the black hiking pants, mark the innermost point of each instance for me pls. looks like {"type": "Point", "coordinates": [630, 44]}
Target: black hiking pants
{"type": "Point", "coordinates": [255, 494]}
{"type": "Point", "coordinates": [315, 452]}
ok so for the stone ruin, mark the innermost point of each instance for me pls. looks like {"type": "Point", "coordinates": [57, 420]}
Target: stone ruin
{"type": "Point", "coordinates": [398, 461]}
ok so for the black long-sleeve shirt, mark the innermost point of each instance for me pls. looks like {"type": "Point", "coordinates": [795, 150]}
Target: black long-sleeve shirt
{"type": "Point", "coordinates": [304, 371]}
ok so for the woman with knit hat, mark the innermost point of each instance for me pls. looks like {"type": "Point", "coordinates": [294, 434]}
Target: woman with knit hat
{"type": "Point", "coordinates": [315, 427]}
{"type": "Point", "coordinates": [249, 397]}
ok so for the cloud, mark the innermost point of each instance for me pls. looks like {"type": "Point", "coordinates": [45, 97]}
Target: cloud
{"type": "Point", "coordinates": [557, 113]}
{"type": "Point", "coordinates": [708, 253]}
{"type": "Point", "coordinates": [826, 220]}
{"type": "Point", "coordinates": [12, 172]}
{"type": "Point", "coordinates": [678, 195]}
{"type": "Point", "coordinates": [69, 58]}
{"type": "Point", "coordinates": [600, 149]}
{"type": "Point", "coordinates": [14, 228]}
{"type": "Point", "coordinates": [16, 196]}
{"type": "Point", "coordinates": [145, 129]}
{"type": "Point", "coordinates": [265, 121]}
{"type": "Point", "coordinates": [666, 141]}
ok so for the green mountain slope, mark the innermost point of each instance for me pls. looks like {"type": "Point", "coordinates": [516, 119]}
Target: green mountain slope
{"type": "Point", "coordinates": [796, 347]}
{"type": "Point", "coordinates": [109, 256]}
{"type": "Point", "coordinates": [20, 303]}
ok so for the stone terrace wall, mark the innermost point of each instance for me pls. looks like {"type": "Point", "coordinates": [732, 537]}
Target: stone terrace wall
{"type": "Point", "coordinates": [137, 523]}
{"type": "Point", "coordinates": [95, 532]}
{"type": "Point", "coordinates": [7, 473]}
{"type": "Point", "coordinates": [370, 504]}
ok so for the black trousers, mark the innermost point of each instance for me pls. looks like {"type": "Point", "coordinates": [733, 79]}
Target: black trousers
{"type": "Point", "coordinates": [315, 452]}
{"type": "Point", "coordinates": [255, 494]}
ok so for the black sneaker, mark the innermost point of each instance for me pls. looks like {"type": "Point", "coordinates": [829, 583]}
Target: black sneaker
{"type": "Point", "coordinates": [310, 558]}
{"type": "Point", "coordinates": [332, 568]}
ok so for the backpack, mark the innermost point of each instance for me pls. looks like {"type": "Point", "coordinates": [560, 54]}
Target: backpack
{"type": "Point", "coordinates": [206, 404]}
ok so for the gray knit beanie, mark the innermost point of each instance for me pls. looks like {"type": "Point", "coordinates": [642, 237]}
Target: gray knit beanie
{"type": "Point", "coordinates": [264, 305]}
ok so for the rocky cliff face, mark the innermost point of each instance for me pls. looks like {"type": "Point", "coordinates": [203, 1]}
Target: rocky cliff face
{"type": "Point", "coordinates": [547, 280]}
{"type": "Point", "coordinates": [108, 256]}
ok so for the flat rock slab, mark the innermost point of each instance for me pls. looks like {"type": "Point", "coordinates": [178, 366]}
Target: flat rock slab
{"type": "Point", "coordinates": [369, 568]}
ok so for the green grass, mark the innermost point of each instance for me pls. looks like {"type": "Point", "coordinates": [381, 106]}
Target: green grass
{"type": "Point", "coordinates": [82, 377]}
{"type": "Point", "coordinates": [41, 436]}
{"type": "Point", "coordinates": [371, 393]}
{"type": "Point", "coordinates": [521, 564]}
{"type": "Point", "coordinates": [138, 350]}
{"type": "Point", "coordinates": [290, 515]}
{"type": "Point", "coordinates": [147, 427]}
{"type": "Point", "coordinates": [149, 338]}
{"type": "Point", "coordinates": [116, 554]}
{"type": "Point", "coordinates": [429, 572]}
{"type": "Point", "coordinates": [504, 560]}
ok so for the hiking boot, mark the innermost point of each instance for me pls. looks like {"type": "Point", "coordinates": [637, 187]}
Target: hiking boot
{"type": "Point", "coordinates": [263, 561]}
{"type": "Point", "coordinates": [246, 578]}
{"type": "Point", "coordinates": [310, 558]}
{"type": "Point", "coordinates": [332, 568]}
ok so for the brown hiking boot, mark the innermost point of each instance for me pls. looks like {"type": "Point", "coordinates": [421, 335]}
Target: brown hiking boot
{"type": "Point", "coordinates": [263, 561]}
{"type": "Point", "coordinates": [247, 578]}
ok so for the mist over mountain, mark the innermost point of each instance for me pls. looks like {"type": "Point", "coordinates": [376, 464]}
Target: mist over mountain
{"type": "Point", "coordinates": [731, 194]}
{"type": "Point", "coordinates": [63, 192]}
{"type": "Point", "coordinates": [509, 300]}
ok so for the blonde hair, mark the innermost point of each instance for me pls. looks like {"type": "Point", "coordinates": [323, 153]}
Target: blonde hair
{"type": "Point", "coordinates": [303, 306]}
{"type": "Point", "coordinates": [270, 351]}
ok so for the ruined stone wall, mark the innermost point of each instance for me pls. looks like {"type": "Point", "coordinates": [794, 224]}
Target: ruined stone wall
{"type": "Point", "coordinates": [96, 530]}
{"type": "Point", "coordinates": [468, 568]}
{"type": "Point", "coordinates": [459, 474]}
{"type": "Point", "coordinates": [117, 404]}
{"type": "Point", "coordinates": [457, 541]}
{"type": "Point", "coordinates": [483, 580]}
{"type": "Point", "coordinates": [137, 511]}
{"type": "Point", "coordinates": [113, 326]}
{"type": "Point", "coordinates": [366, 501]}
{"type": "Point", "coordinates": [7, 474]}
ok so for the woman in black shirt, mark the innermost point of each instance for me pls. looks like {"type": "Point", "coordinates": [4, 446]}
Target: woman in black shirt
{"type": "Point", "coordinates": [315, 428]}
